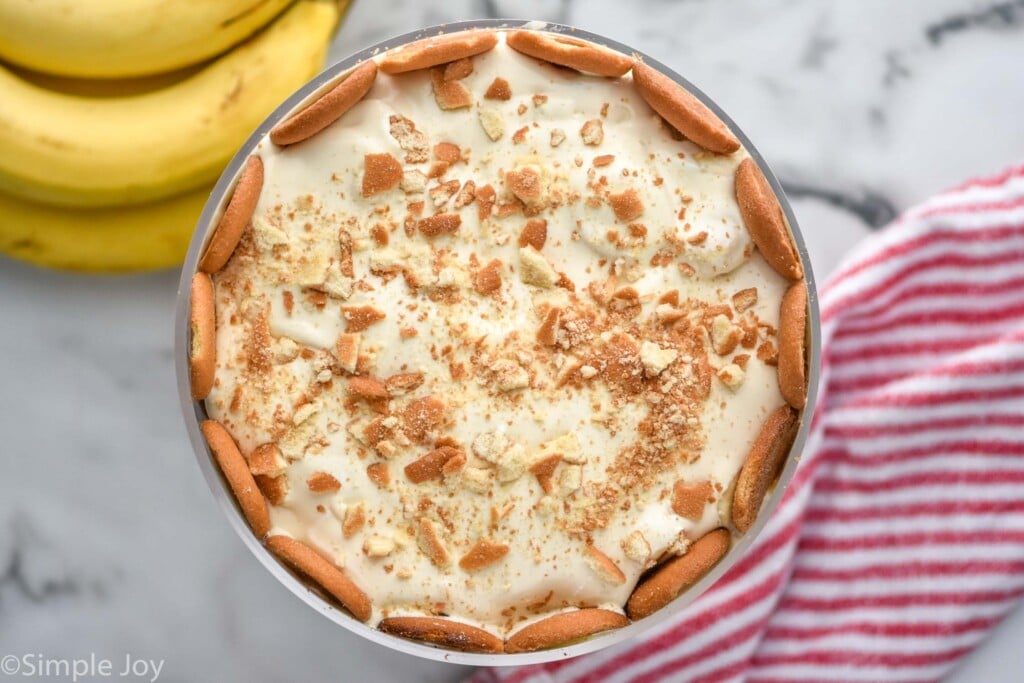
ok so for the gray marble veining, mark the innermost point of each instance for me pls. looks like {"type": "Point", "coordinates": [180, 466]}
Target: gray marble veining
{"type": "Point", "coordinates": [109, 539]}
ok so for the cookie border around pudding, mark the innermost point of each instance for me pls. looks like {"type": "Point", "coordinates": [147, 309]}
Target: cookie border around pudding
{"type": "Point", "coordinates": [336, 75]}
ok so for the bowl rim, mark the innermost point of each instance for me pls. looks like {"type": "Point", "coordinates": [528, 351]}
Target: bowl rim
{"type": "Point", "coordinates": [193, 412]}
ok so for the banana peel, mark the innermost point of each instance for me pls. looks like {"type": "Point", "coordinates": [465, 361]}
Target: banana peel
{"type": "Point", "coordinates": [102, 240]}
{"type": "Point", "coordinates": [113, 239]}
{"type": "Point", "coordinates": [79, 151]}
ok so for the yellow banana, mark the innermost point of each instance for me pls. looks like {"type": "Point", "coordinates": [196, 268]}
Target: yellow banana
{"type": "Point", "coordinates": [70, 150]}
{"type": "Point", "coordinates": [142, 237]}
{"type": "Point", "coordinates": [119, 38]}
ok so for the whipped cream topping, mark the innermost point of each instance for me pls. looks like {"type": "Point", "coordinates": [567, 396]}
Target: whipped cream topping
{"type": "Point", "coordinates": [577, 406]}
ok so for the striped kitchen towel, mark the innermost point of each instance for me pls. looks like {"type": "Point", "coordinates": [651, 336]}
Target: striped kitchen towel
{"type": "Point", "coordinates": [900, 541]}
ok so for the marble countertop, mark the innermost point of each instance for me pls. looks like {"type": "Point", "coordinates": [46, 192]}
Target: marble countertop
{"type": "Point", "coordinates": [110, 542]}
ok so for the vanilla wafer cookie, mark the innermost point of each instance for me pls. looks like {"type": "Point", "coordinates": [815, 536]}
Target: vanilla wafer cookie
{"type": "Point", "coordinates": [793, 345]}
{"type": "Point", "coordinates": [571, 52]}
{"type": "Point", "coordinates": [436, 50]}
{"type": "Point", "coordinates": [240, 479]}
{"type": "Point", "coordinates": [667, 581]}
{"type": "Point", "coordinates": [221, 244]}
{"type": "Point", "coordinates": [443, 632]}
{"type": "Point", "coordinates": [763, 217]}
{"type": "Point", "coordinates": [564, 629]}
{"type": "Point", "coordinates": [683, 111]}
{"type": "Point", "coordinates": [306, 560]}
{"type": "Point", "coordinates": [202, 354]}
{"type": "Point", "coordinates": [328, 108]}
{"type": "Point", "coordinates": [762, 465]}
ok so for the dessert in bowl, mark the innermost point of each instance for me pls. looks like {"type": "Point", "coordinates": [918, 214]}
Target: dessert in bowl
{"type": "Point", "coordinates": [500, 340]}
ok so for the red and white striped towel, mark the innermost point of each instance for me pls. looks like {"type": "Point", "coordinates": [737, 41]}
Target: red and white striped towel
{"type": "Point", "coordinates": [900, 541]}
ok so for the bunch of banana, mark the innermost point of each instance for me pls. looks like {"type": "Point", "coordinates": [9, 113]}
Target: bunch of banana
{"type": "Point", "coordinates": [111, 175]}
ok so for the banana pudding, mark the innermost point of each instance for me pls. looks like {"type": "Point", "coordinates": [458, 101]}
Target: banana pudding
{"type": "Point", "coordinates": [509, 340]}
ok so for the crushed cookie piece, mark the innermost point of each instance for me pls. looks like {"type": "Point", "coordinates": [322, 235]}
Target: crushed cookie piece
{"type": "Point", "coordinates": [485, 198]}
{"type": "Point", "coordinates": [557, 137]}
{"type": "Point", "coordinates": [535, 270]}
{"type": "Point", "coordinates": [355, 518]}
{"type": "Point", "coordinates": [490, 445]}
{"type": "Point", "coordinates": [304, 413]}
{"type": "Point", "coordinates": [570, 480]}
{"type": "Point", "coordinates": [626, 205]}
{"type": "Point", "coordinates": [379, 474]}
{"type": "Point", "coordinates": [592, 132]}
{"type": "Point", "coordinates": [286, 350]}
{"type": "Point", "coordinates": [534, 233]}
{"type": "Point", "coordinates": [768, 353]}
{"type": "Point", "coordinates": [483, 554]}
{"type": "Point", "coordinates": [697, 239]}
{"type": "Point", "coordinates": [413, 182]}
{"type": "Point", "coordinates": [380, 235]}
{"type": "Point", "coordinates": [655, 358]}
{"type": "Point", "coordinates": [367, 387]}
{"type": "Point", "coordinates": [358, 318]}
{"type": "Point", "coordinates": [544, 470]}
{"type": "Point", "coordinates": [378, 546]}
{"type": "Point", "coordinates": [381, 172]}
{"type": "Point", "coordinates": [498, 90]}
{"type": "Point", "coordinates": [603, 566]}
{"type": "Point", "coordinates": [488, 279]}
{"type": "Point", "coordinates": [437, 170]}
{"type": "Point", "coordinates": [347, 350]}
{"type": "Point", "coordinates": [322, 482]}
{"type": "Point", "coordinates": [732, 376]}
{"type": "Point", "coordinates": [547, 334]}
{"type": "Point", "coordinates": [603, 160]}
{"type": "Point", "coordinates": [453, 466]}
{"type": "Point", "coordinates": [466, 195]}
{"type": "Point", "coordinates": [459, 69]}
{"type": "Point", "coordinates": [439, 224]}
{"type": "Point", "coordinates": [440, 194]}
{"type": "Point", "coordinates": [511, 464]}
{"type": "Point", "coordinates": [636, 547]}
{"type": "Point", "coordinates": [403, 383]}
{"type": "Point", "coordinates": [449, 95]}
{"type": "Point", "coordinates": [421, 417]}
{"type": "Point", "coordinates": [412, 141]}
{"type": "Point", "coordinates": [724, 335]}
{"type": "Point", "coordinates": [430, 466]}
{"type": "Point", "coordinates": [744, 299]}
{"type": "Point", "coordinates": [509, 375]}
{"type": "Point", "coordinates": [476, 479]}
{"type": "Point", "coordinates": [538, 100]}
{"type": "Point", "coordinates": [492, 122]}
{"type": "Point", "coordinates": [267, 460]}
{"type": "Point", "coordinates": [505, 209]}
{"type": "Point", "coordinates": [568, 446]}
{"type": "Point", "coordinates": [689, 500]}
{"type": "Point", "coordinates": [428, 539]}
{"type": "Point", "coordinates": [671, 297]}
{"type": "Point", "coordinates": [525, 184]}
{"type": "Point", "coordinates": [519, 136]}
{"type": "Point", "coordinates": [447, 152]}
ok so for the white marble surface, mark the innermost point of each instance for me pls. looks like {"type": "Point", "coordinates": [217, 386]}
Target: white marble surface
{"type": "Point", "coordinates": [109, 539]}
